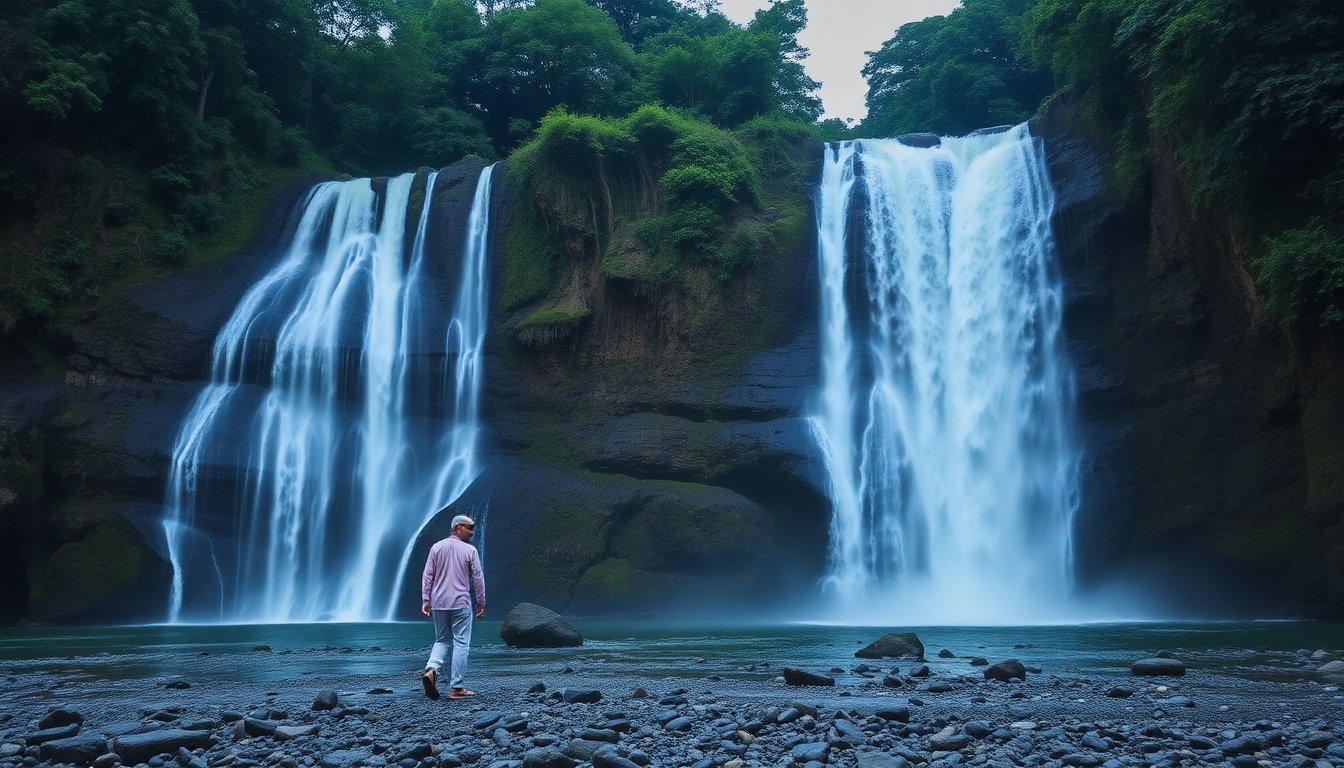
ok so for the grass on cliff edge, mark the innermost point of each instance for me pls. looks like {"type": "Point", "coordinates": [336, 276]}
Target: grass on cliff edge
{"type": "Point", "coordinates": [680, 189]}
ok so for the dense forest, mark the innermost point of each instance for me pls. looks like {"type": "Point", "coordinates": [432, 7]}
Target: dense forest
{"type": "Point", "coordinates": [146, 134]}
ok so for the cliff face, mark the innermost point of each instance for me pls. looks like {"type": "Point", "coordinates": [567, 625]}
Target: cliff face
{"type": "Point", "coordinates": [86, 430]}
{"type": "Point", "coordinates": [654, 455]}
{"type": "Point", "coordinates": [1210, 478]}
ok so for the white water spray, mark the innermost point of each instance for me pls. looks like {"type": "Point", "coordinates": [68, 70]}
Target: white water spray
{"type": "Point", "coordinates": [303, 472]}
{"type": "Point", "coordinates": [946, 407]}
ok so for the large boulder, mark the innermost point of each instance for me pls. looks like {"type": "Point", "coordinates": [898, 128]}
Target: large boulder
{"type": "Point", "coordinates": [893, 645]}
{"type": "Point", "coordinates": [1005, 671]}
{"type": "Point", "coordinates": [794, 676]}
{"type": "Point", "coordinates": [530, 625]}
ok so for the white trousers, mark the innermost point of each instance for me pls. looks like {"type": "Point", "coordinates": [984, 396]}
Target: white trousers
{"type": "Point", "coordinates": [452, 640]}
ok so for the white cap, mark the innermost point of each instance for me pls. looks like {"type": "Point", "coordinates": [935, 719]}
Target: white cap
{"type": "Point", "coordinates": [462, 520]}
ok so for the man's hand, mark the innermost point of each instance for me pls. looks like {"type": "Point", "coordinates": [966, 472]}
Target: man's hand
{"type": "Point", "coordinates": [480, 610]}
{"type": "Point", "coordinates": [425, 608]}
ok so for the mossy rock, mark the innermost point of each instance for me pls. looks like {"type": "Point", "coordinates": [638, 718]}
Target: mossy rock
{"type": "Point", "coordinates": [90, 576]}
{"type": "Point", "coordinates": [568, 540]}
{"type": "Point", "coordinates": [694, 528]}
{"type": "Point", "coordinates": [612, 581]}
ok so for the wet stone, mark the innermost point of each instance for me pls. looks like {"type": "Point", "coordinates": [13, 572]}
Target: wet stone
{"type": "Point", "coordinates": [80, 749]}
{"type": "Point", "coordinates": [816, 751]}
{"type": "Point", "coordinates": [580, 696]}
{"type": "Point", "coordinates": [59, 717]}
{"type": "Point", "coordinates": [897, 714]}
{"type": "Point", "coordinates": [1095, 743]}
{"type": "Point", "coordinates": [1242, 745]}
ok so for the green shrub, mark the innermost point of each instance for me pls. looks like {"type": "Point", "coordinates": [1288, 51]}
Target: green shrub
{"type": "Point", "coordinates": [173, 246]}
{"type": "Point", "coordinates": [1301, 272]}
{"type": "Point", "coordinates": [668, 186]}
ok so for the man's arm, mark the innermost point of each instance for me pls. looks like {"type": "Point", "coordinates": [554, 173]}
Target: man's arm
{"type": "Point", "coordinates": [427, 579]}
{"type": "Point", "coordinates": [478, 582]}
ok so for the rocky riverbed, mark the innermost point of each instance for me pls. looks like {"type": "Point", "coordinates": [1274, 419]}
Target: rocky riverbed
{"type": "Point", "coordinates": [562, 709]}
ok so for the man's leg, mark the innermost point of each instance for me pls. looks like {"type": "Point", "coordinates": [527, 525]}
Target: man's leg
{"type": "Point", "coordinates": [461, 645]}
{"type": "Point", "coordinates": [443, 621]}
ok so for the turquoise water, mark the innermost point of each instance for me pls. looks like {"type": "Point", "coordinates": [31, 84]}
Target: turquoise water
{"type": "Point", "coordinates": [1254, 651]}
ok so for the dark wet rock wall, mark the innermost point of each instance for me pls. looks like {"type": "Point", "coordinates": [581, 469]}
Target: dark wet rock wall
{"type": "Point", "coordinates": [1207, 480]}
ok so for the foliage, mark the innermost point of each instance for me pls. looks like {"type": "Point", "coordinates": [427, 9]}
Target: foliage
{"type": "Point", "coordinates": [680, 177]}
{"type": "Point", "coordinates": [533, 65]}
{"type": "Point", "coordinates": [152, 124]}
{"type": "Point", "coordinates": [1248, 96]}
{"type": "Point", "coordinates": [734, 74]}
{"type": "Point", "coordinates": [952, 74]}
{"type": "Point", "coordinates": [1302, 273]}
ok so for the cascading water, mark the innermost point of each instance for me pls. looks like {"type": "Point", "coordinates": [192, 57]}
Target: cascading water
{"type": "Point", "coordinates": [946, 406]}
{"type": "Point", "coordinates": [341, 414]}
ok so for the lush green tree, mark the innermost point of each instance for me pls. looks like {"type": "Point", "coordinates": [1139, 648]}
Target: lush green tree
{"type": "Point", "coordinates": [532, 64]}
{"type": "Point", "coordinates": [952, 74]}
{"type": "Point", "coordinates": [1249, 95]}
{"type": "Point", "coordinates": [728, 77]}
{"type": "Point", "coordinates": [729, 74]}
{"type": "Point", "coordinates": [794, 90]}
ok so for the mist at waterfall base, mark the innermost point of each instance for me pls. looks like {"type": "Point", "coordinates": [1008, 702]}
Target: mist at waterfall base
{"type": "Point", "coordinates": [946, 408]}
{"type": "Point", "coordinates": [340, 415]}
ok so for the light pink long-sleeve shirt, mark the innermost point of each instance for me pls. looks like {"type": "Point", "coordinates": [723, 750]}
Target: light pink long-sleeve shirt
{"type": "Point", "coordinates": [453, 567]}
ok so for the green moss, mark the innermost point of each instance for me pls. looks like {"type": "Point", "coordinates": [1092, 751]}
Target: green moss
{"type": "Point", "coordinates": [110, 560]}
{"type": "Point", "coordinates": [242, 209]}
{"type": "Point", "coordinates": [613, 579]}
{"type": "Point", "coordinates": [554, 316]}
{"type": "Point", "coordinates": [530, 255]}
{"type": "Point", "coordinates": [654, 193]}
{"type": "Point", "coordinates": [691, 528]}
{"type": "Point", "coordinates": [567, 541]}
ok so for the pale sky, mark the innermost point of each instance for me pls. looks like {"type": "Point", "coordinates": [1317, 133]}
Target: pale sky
{"type": "Point", "coordinates": [838, 34]}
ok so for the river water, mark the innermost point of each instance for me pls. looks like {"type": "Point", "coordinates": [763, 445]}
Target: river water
{"type": "Point", "coordinates": [1263, 651]}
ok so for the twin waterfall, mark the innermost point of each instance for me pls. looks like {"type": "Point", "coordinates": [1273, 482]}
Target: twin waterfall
{"type": "Point", "coordinates": [341, 414]}
{"type": "Point", "coordinates": [946, 404]}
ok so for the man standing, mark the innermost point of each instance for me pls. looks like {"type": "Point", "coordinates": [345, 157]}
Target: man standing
{"type": "Point", "coordinates": [453, 568]}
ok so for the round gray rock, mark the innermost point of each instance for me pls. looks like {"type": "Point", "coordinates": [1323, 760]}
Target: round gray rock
{"type": "Point", "coordinates": [893, 645]}
{"type": "Point", "coordinates": [530, 625]}
{"type": "Point", "coordinates": [1010, 669]}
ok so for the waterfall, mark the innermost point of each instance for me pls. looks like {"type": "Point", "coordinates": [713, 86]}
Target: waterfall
{"type": "Point", "coordinates": [945, 413]}
{"type": "Point", "coordinates": [340, 415]}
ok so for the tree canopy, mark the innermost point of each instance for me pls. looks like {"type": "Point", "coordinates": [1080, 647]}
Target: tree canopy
{"type": "Point", "coordinates": [955, 73]}
{"type": "Point", "coordinates": [183, 107]}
